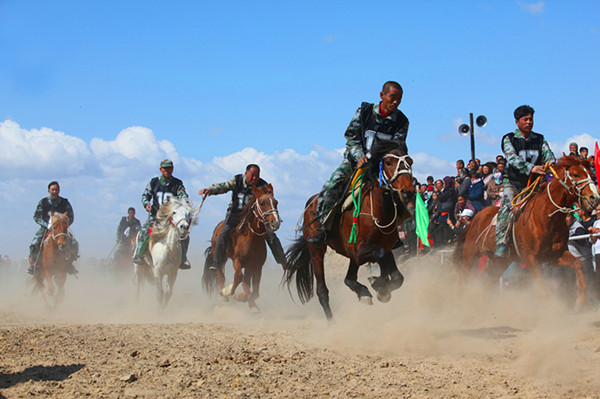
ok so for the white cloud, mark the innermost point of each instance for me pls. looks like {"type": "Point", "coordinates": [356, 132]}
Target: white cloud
{"type": "Point", "coordinates": [583, 140]}
{"type": "Point", "coordinates": [533, 8]}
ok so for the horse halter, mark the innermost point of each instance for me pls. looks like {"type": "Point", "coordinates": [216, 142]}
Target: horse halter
{"type": "Point", "coordinates": [576, 188]}
{"type": "Point", "coordinates": [55, 236]}
{"type": "Point", "coordinates": [402, 168]}
{"type": "Point", "coordinates": [262, 216]}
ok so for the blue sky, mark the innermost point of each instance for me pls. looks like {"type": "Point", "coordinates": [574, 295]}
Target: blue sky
{"type": "Point", "coordinates": [119, 85]}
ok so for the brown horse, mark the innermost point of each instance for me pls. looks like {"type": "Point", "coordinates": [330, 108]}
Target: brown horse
{"type": "Point", "coordinates": [539, 232]}
{"type": "Point", "coordinates": [247, 248]}
{"type": "Point", "coordinates": [55, 258]}
{"type": "Point", "coordinates": [387, 189]}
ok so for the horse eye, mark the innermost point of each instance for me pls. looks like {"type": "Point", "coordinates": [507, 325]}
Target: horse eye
{"type": "Point", "coordinates": [387, 163]}
{"type": "Point", "coordinates": [575, 175]}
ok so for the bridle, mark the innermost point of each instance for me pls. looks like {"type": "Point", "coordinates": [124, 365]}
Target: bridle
{"type": "Point", "coordinates": [55, 236]}
{"type": "Point", "coordinates": [576, 188]}
{"type": "Point", "coordinates": [261, 216]}
{"type": "Point", "coordinates": [402, 168]}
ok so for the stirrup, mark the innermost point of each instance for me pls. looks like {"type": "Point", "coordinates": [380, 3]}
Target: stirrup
{"type": "Point", "coordinates": [214, 265]}
{"type": "Point", "coordinates": [185, 265]}
{"type": "Point", "coordinates": [501, 251]}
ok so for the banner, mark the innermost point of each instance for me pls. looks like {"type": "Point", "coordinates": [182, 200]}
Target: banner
{"type": "Point", "coordinates": [421, 219]}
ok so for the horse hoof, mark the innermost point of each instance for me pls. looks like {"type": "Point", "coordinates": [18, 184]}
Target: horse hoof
{"type": "Point", "coordinates": [227, 290]}
{"type": "Point", "coordinates": [384, 298]}
{"type": "Point", "coordinates": [367, 300]}
{"type": "Point", "coordinates": [254, 309]}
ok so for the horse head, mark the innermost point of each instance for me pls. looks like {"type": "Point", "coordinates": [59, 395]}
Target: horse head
{"type": "Point", "coordinates": [575, 175]}
{"type": "Point", "coordinates": [265, 207]}
{"type": "Point", "coordinates": [181, 217]}
{"type": "Point", "coordinates": [391, 166]}
{"type": "Point", "coordinates": [59, 225]}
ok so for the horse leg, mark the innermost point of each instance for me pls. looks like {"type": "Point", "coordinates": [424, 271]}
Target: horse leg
{"type": "Point", "coordinates": [246, 284]}
{"type": "Point", "coordinates": [317, 260]}
{"type": "Point", "coordinates": [256, 275]}
{"type": "Point", "coordinates": [568, 260]}
{"type": "Point", "coordinates": [237, 279]}
{"type": "Point", "coordinates": [390, 279]}
{"type": "Point", "coordinates": [60, 279]}
{"type": "Point", "coordinates": [171, 277]}
{"type": "Point", "coordinates": [351, 282]}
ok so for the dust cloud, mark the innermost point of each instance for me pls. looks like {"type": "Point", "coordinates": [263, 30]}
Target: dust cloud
{"type": "Point", "coordinates": [521, 332]}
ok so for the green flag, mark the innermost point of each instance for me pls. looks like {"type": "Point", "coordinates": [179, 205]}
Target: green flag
{"type": "Point", "coordinates": [422, 219]}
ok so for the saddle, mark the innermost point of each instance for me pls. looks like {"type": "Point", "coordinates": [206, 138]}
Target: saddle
{"type": "Point", "coordinates": [346, 201]}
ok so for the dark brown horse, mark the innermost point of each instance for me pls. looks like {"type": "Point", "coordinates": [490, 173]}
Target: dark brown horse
{"type": "Point", "coordinates": [539, 232]}
{"type": "Point", "coordinates": [55, 258]}
{"type": "Point", "coordinates": [247, 248]}
{"type": "Point", "coordinates": [387, 188]}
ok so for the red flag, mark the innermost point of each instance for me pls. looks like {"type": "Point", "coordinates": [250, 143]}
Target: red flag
{"type": "Point", "coordinates": [597, 161]}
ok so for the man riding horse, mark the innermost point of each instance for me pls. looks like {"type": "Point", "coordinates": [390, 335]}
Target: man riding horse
{"type": "Point", "coordinates": [526, 152]}
{"type": "Point", "coordinates": [157, 192]}
{"type": "Point", "coordinates": [128, 228]}
{"type": "Point", "coordinates": [371, 123]}
{"type": "Point", "coordinates": [241, 193]}
{"type": "Point", "coordinates": [58, 204]}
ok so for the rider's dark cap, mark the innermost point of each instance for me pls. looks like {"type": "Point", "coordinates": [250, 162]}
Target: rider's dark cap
{"type": "Point", "coordinates": [166, 163]}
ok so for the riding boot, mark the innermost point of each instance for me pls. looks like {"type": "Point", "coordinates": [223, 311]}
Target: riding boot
{"type": "Point", "coordinates": [185, 263]}
{"type": "Point", "coordinates": [71, 269]}
{"type": "Point", "coordinates": [138, 259]}
{"type": "Point", "coordinates": [319, 235]}
{"type": "Point", "coordinates": [276, 249]}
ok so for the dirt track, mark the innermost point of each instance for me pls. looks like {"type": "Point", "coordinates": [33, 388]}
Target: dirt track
{"type": "Point", "coordinates": [434, 339]}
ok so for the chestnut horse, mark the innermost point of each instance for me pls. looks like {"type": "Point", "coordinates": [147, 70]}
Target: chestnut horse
{"type": "Point", "coordinates": [387, 189]}
{"type": "Point", "coordinates": [539, 232]}
{"type": "Point", "coordinates": [55, 258]}
{"type": "Point", "coordinates": [247, 248]}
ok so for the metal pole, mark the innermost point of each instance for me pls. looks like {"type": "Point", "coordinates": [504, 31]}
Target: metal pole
{"type": "Point", "coordinates": [472, 136]}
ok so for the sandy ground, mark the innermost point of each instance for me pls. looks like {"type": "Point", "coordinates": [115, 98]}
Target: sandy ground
{"type": "Point", "coordinates": [435, 339]}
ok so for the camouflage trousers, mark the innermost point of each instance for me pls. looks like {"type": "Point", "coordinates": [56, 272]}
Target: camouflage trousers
{"type": "Point", "coordinates": [504, 213]}
{"type": "Point", "coordinates": [36, 245]}
{"type": "Point", "coordinates": [333, 189]}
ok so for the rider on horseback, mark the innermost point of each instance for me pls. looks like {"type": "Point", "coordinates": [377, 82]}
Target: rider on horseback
{"type": "Point", "coordinates": [158, 191]}
{"type": "Point", "coordinates": [42, 217]}
{"type": "Point", "coordinates": [526, 152]}
{"type": "Point", "coordinates": [371, 122]}
{"type": "Point", "coordinates": [128, 228]}
{"type": "Point", "coordinates": [241, 193]}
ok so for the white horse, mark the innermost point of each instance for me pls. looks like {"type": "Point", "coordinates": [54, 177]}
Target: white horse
{"type": "Point", "coordinates": [175, 219]}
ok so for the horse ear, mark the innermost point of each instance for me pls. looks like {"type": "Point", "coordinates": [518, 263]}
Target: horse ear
{"type": "Point", "coordinates": [51, 213]}
{"type": "Point", "coordinates": [270, 189]}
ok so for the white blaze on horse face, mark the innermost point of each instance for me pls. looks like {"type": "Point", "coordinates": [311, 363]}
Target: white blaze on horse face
{"type": "Point", "coordinates": [593, 189]}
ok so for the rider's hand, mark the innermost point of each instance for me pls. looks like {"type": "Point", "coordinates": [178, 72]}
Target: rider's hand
{"type": "Point", "coordinates": [538, 169]}
{"type": "Point", "coordinates": [203, 191]}
{"type": "Point", "coordinates": [148, 208]}
{"type": "Point", "coordinates": [361, 161]}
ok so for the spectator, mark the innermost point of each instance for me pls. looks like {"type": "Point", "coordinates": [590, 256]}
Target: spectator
{"type": "Point", "coordinates": [462, 203]}
{"type": "Point", "coordinates": [439, 186]}
{"type": "Point", "coordinates": [432, 204]}
{"type": "Point", "coordinates": [494, 188]}
{"type": "Point", "coordinates": [501, 165]}
{"type": "Point", "coordinates": [486, 174]}
{"type": "Point", "coordinates": [464, 182]}
{"type": "Point", "coordinates": [438, 228]}
{"type": "Point", "coordinates": [583, 152]}
{"type": "Point", "coordinates": [463, 221]}
{"type": "Point", "coordinates": [573, 149]}
{"type": "Point", "coordinates": [429, 180]}
{"type": "Point", "coordinates": [500, 158]}
{"type": "Point", "coordinates": [472, 166]}
{"type": "Point", "coordinates": [409, 228]}
{"type": "Point", "coordinates": [582, 250]}
{"type": "Point", "coordinates": [476, 192]}
{"type": "Point", "coordinates": [460, 164]}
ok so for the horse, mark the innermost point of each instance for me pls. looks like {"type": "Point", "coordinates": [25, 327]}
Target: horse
{"type": "Point", "coordinates": [247, 248]}
{"type": "Point", "coordinates": [175, 219]}
{"type": "Point", "coordinates": [55, 258]}
{"type": "Point", "coordinates": [387, 189]}
{"type": "Point", "coordinates": [539, 232]}
{"type": "Point", "coordinates": [125, 250]}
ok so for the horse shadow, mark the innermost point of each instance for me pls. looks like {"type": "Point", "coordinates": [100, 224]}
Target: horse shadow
{"type": "Point", "coordinates": [39, 373]}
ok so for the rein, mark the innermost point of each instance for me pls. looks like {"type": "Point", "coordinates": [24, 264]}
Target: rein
{"type": "Point", "coordinates": [577, 186]}
{"type": "Point", "coordinates": [402, 162]}
{"type": "Point", "coordinates": [261, 216]}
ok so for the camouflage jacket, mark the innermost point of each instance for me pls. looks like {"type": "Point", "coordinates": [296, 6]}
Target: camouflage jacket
{"type": "Point", "coordinates": [241, 192]}
{"type": "Point", "coordinates": [355, 147]}
{"type": "Point", "coordinates": [159, 190]}
{"type": "Point", "coordinates": [522, 162]}
{"type": "Point", "coordinates": [48, 204]}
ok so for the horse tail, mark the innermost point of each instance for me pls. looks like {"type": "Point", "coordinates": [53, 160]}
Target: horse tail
{"type": "Point", "coordinates": [298, 262]}
{"type": "Point", "coordinates": [209, 278]}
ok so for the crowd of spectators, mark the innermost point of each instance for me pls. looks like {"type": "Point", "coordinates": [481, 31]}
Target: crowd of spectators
{"type": "Point", "coordinates": [453, 201]}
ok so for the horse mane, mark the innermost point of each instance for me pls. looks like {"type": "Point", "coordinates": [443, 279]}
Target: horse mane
{"type": "Point", "coordinates": [60, 217]}
{"type": "Point", "coordinates": [378, 151]}
{"type": "Point", "coordinates": [163, 214]}
{"type": "Point", "coordinates": [566, 161]}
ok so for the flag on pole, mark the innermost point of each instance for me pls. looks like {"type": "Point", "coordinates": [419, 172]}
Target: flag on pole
{"type": "Point", "coordinates": [421, 219]}
{"type": "Point", "coordinates": [597, 161]}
